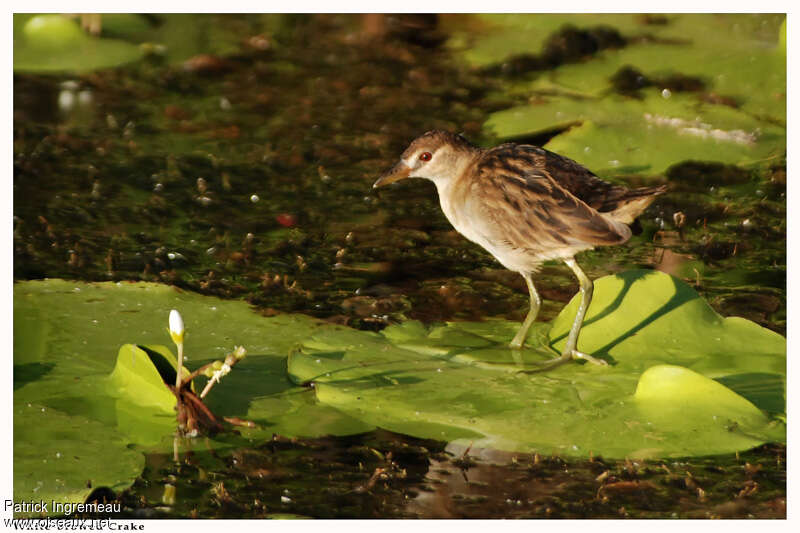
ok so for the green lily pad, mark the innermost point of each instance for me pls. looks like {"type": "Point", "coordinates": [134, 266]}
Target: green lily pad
{"type": "Point", "coordinates": [59, 457]}
{"type": "Point", "coordinates": [496, 36]}
{"type": "Point", "coordinates": [54, 43]}
{"type": "Point", "coordinates": [140, 376]}
{"type": "Point", "coordinates": [667, 318]}
{"type": "Point", "coordinates": [738, 117]}
{"type": "Point", "coordinates": [755, 79]}
{"type": "Point", "coordinates": [666, 345]}
{"type": "Point", "coordinates": [626, 136]}
{"type": "Point", "coordinates": [144, 406]}
{"type": "Point", "coordinates": [45, 43]}
{"type": "Point", "coordinates": [666, 393]}
{"type": "Point", "coordinates": [740, 56]}
{"type": "Point", "coordinates": [737, 56]}
{"type": "Point", "coordinates": [80, 391]}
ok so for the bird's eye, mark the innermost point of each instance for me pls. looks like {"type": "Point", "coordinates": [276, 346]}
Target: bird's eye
{"type": "Point", "coordinates": [425, 156]}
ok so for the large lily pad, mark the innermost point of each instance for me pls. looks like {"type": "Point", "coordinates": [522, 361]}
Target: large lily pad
{"type": "Point", "coordinates": [54, 43]}
{"type": "Point", "coordinates": [80, 392]}
{"type": "Point", "coordinates": [736, 56]}
{"type": "Point", "coordinates": [59, 457]}
{"type": "Point", "coordinates": [667, 348]}
{"type": "Point", "coordinates": [738, 116]}
{"type": "Point", "coordinates": [496, 36]}
{"type": "Point", "coordinates": [627, 136]}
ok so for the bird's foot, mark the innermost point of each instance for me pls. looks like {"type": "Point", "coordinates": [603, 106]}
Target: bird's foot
{"type": "Point", "coordinates": [575, 354]}
{"type": "Point", "coordinates": [566, 357]}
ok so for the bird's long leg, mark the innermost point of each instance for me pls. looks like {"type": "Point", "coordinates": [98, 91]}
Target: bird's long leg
{"type": "Point", "coordinates": [536, 302]}
{"type": "Point", "coordinates": [587, 287]}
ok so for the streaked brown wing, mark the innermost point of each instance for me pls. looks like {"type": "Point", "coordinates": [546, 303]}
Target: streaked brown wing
{"type": "Point", "coordinates": [582, 183]}
{"type": "Point", "coordinates": [596, 192]}
{"type": "Point", "coordinates": [534, 211]}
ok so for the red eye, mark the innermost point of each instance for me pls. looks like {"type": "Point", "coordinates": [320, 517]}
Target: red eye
{"type": "Point", "coordinates": [425, 156]}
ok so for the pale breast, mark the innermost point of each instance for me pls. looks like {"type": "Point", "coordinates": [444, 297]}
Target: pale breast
{"type": "Point", "coordinates": [464, 210]}
{"type": "Point", "coordinates": [466, 217]}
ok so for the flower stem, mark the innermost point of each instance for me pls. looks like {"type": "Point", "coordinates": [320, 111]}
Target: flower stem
{"type": "Point", "coordinates": [180, 367]}
{"type": "Point", "coordinates": [208, 386]}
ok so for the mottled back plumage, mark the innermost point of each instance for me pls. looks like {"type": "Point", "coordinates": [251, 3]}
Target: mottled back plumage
{"type": "Point", "coordinates": [599, 194]}
{"type": "Point", "coordinates": [545, 215]}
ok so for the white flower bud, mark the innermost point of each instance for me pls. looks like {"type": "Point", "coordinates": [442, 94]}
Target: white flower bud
{"type": "Point", "coordinates": [176, 329]}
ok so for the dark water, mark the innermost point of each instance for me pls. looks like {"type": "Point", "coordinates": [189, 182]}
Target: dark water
{"type": "Point", "coordinates": [384, 475]}
{"type": "Point", "coordinates": [249, 177]}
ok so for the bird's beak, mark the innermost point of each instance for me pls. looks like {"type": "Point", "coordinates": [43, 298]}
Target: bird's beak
{"type": "Point", "coordinates": [398, 172]}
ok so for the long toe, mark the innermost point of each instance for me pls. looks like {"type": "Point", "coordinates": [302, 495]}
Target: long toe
{"type": "Point", "coordinates": [585, 356]}
{"type": "Point", "coordinates": [548, 365]}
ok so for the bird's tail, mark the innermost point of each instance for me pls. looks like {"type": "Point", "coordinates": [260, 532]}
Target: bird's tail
{"type": "Point", "coordinates": [635, 202]}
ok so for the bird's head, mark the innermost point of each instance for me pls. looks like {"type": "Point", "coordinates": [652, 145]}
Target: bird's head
{"type": "Point", "coordinates": [437, 155]}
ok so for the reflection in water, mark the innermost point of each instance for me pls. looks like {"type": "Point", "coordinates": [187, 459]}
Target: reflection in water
{"type": "Point", "coordinates": [491, 484]}
{"type": "Point", "coordinates": [385, 475]}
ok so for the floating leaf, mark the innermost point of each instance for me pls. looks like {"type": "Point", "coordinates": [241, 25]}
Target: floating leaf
{"type": "Point", "coordinates": [735, 115]}
{"type": "Point", "coordinates": [494, 37]}
{"type": "Point", "coordinates": [643, 317]}
{"type": "Point", "coordinates": [629, 136]}
{"type": "Point", "coordinates": [667, 393]}
{"type": "Point", "coordinates": [49, 43]}
{"type": "Point", "coordinates": [140, 375]}
{"type": "Point", "coordinates": [737, 57]}
{"type": "Point", "coordinates": [59, 457]}
{"type": "Point", "coordinates": [79, 391]}
{"type": "Point", "coordinates": [53, 43]}
{"type": "Point", "coordinates": [479, 390]}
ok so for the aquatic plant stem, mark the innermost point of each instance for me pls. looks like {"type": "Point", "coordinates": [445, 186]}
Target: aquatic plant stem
{"type": "Point", "coordinates": [180, 366]}
{"type": "Point", "coordinates": [208, 386]}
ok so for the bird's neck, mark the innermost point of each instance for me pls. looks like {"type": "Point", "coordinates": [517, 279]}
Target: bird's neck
{"type": "Point", "coordinates": [454, 186]}
{"type": "Point", "coordinates": [455, 172]}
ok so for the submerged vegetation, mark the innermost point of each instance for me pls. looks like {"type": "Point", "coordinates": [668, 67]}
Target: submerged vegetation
{"type": "Point", "coordinates": [232, 156]}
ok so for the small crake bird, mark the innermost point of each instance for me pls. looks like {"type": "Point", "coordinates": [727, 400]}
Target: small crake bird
{"type": "Point", "coordinates": [525, 205]}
